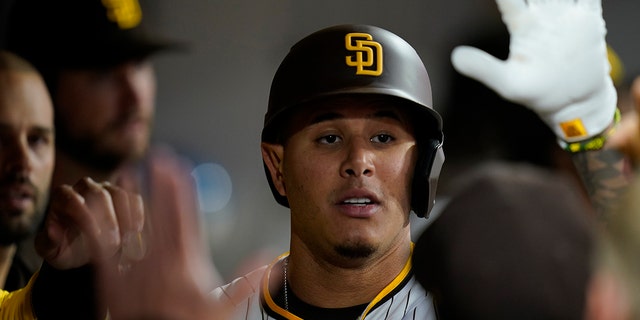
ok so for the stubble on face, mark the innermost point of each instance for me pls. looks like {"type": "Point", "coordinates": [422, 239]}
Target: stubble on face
{"type": "Point", "coordinates": [345, 243]}
{"type": "Point", "coordinates": [27, 156]}
{"type": "Point", "coordinates": [355, 250]}
{"type": "Point", "coordinates": [100, 150]}
{"type": "Point", "coordinates": [104, 118]}
{"type": "Point", "coordinates": [17, 224]}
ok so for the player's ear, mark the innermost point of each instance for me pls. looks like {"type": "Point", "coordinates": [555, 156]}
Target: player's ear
{"type": "Point", "coordinates": [272, 155]}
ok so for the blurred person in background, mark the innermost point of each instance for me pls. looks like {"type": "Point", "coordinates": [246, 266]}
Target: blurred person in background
{"type": "Point", "coordinates": [516, 241]}
{"type": "Point", "coordinates": [614, 292]}
{"type": "Point", "coordinates": [27, 153]}
{"type": "Point", "coordinates": [26, 161]}
{"type": "Point", "coordinates": [626, 139]}
{"type": "Point", "coordinates": [90, 227]}
{"type": "Point", "coordinates": [95, 57]}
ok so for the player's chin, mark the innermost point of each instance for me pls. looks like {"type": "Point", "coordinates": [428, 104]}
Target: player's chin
{"type": "Point", "coordinates": [355, 250]}
{"type": "Point", "coordinates": [130, 149]}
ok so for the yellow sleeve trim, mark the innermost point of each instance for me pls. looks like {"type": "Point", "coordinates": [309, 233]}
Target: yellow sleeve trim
{"type": "Point", "coordinates": [16, 305]}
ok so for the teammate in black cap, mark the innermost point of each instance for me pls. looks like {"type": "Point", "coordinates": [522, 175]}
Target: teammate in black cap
{"type": "Point", "coordinates": [95, 56]}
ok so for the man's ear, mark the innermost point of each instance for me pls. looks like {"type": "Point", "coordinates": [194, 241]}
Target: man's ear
{"type": "Point", "coordinates": [272, 155]}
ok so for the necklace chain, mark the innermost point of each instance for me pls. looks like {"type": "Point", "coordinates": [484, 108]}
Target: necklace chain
{"type": "Point", "coordinates": [286, 297]}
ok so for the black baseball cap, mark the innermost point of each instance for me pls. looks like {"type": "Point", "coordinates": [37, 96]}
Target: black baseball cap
{"type": "Point", "coordinates": [80, 33]}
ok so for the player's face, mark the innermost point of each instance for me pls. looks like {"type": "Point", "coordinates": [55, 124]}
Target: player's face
{"type": "Point", "coordinates": [347, 172]}
{"type": "Point", "coordinates": [26, 153]}
{"type": "Point", "coordinates": [104, 116]}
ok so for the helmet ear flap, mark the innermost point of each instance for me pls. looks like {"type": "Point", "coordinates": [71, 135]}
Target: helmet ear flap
{"type": "Point", "coordinates": [425, 177]}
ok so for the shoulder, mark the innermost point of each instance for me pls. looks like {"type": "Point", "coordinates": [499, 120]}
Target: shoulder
{"type": "Point", "coordinates": [241, 288]}
{"type": "Point", "coordinates": [408, 301]}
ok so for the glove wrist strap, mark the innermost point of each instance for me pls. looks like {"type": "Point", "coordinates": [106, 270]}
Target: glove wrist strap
{"type": "Point", "coordinates": [594, 143]}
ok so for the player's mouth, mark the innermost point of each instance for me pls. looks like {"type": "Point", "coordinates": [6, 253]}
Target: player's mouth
{"type": "Point", "coordinates": [358, 201]}
{"type": "Point", "coordinates": [360, 205]}
{"type": "Point", "coordinates": [16, 197]}
{"type": "Point", "coordinates": [133, 124]}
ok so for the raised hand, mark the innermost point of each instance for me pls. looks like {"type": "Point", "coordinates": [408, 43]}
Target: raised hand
{"type": "Point", "coordinates": [557, 64]}
{"type": "Point", "coordinates": [626, 138]}
{"type": "Point", "coordinates": [87, 223]}
{"type": "Point", "coordinates": [175, 276]}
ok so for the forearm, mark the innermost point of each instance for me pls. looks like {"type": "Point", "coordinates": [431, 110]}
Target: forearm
{"type": "Point", "coordinates": [605, 173]}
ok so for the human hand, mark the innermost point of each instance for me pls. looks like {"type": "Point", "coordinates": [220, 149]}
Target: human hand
{"type": "Point", "coordinates": [626, 138]}
{"type": "Point", "coordinates": [89, 222]}
{"type": "Point", "coordinates": [174, 278]}
{"type": "Point", "coordinates": [557, 65]}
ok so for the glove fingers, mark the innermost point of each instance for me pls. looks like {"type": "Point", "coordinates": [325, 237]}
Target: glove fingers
{"type": "Point", "coordinates": [479, 65]}
{"type": "Point", "coordinates": [511, 7]}
{"type": "Point", "coordinates": [591, 4]}
{"type": "Point", "coordinates": [534, 3]}
{"type": "Point", "coordinates": [595, 5]}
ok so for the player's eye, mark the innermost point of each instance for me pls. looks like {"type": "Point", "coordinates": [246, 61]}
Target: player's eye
{"type": "Point", "coordinates": [38, 139]}
{"type": "Point", "coordinates": [329, 139]}
{"type": "Point", "coordinates": [382, 138]}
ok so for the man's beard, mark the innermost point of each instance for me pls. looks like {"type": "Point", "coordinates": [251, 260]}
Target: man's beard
{"type": "Point", "coordinates": [11, 233]}
{"type": "Point", "coordinates": [89, 151]}
{"type": "Point", "coordinates": [355, 251]}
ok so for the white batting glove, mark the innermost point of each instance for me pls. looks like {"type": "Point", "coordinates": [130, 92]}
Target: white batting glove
{"type": "Point", "coordinates": [557, 65]}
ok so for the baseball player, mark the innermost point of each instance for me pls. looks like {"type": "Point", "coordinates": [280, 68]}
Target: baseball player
{"type": "Point", "coordinates": [82, 218]}
{"type": "Point", "coordinates": [85, 223]}
{"type": "Point", "coordinates": [26, 159]}
{"type": "Point", "coordinates": [96, 58]}
{"type": "Point", "coordinates": [349, 118]}
{"type": "Point", "coordinates": [351, 144]}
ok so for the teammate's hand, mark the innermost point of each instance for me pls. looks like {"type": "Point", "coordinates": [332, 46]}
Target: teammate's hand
{"type": "Point", "coordinates": [89, 222]}
{"type": "Point", "coordinates": [626, 138]}
{"type": "Point", "coordinates": [557, 64]}
{"type": "Point", "coordinates": [174, 278]}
